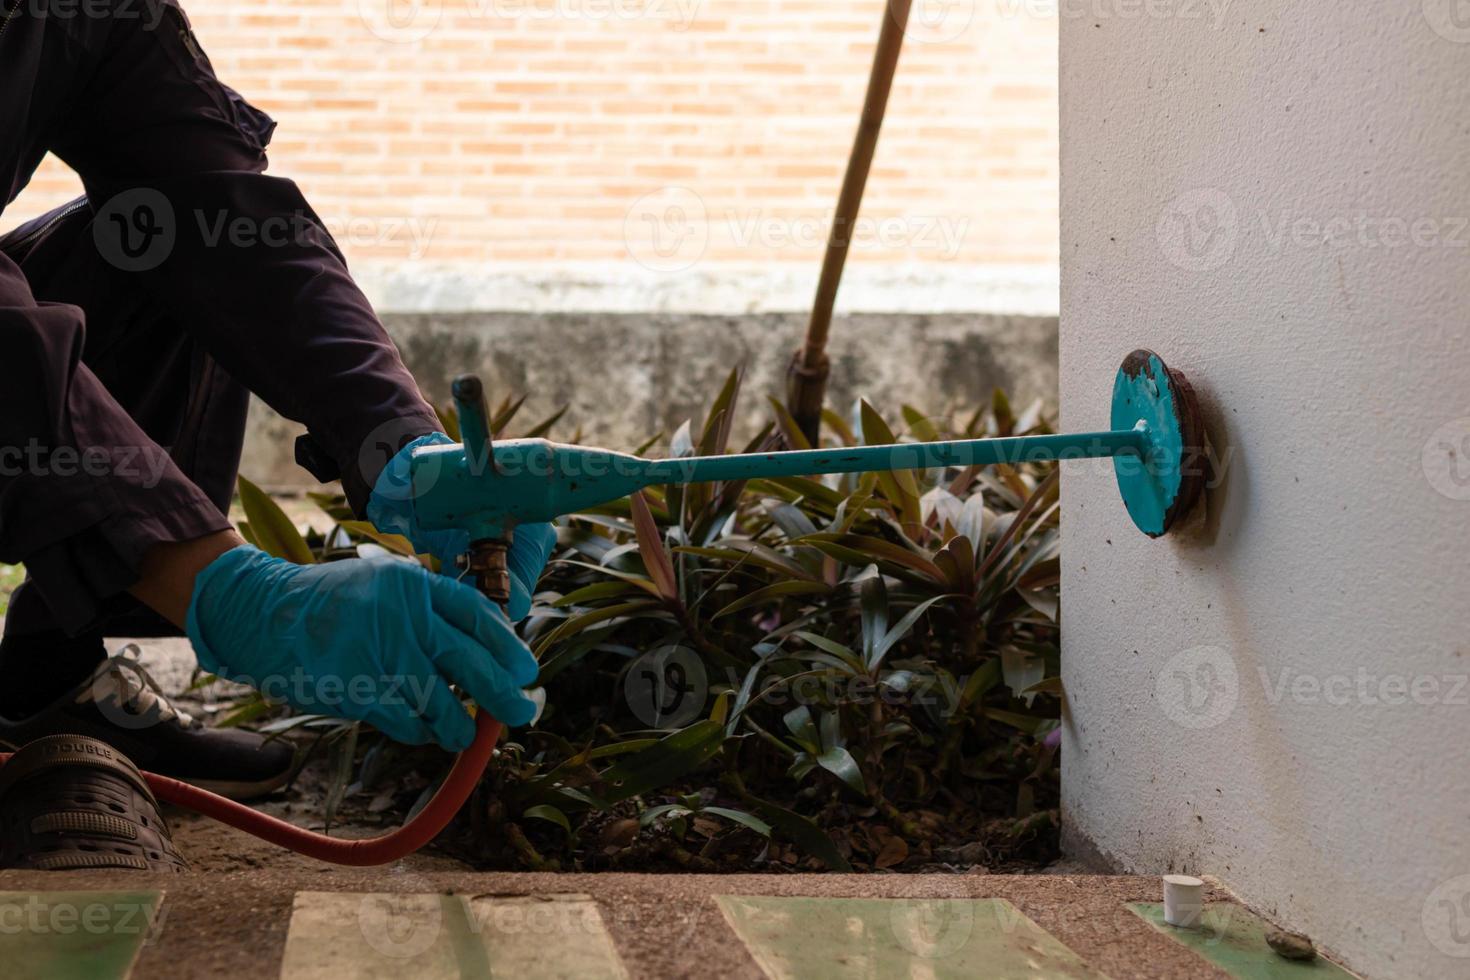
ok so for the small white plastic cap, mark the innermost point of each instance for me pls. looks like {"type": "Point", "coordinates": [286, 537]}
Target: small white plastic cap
{"type": "Point", "coordinates": [1184, 900]}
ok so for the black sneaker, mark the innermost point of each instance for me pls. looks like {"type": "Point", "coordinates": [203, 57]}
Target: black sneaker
{"type": "Point", "coordinates": [68, 803]}
{"type": "Point", "coordinates": [122, 705]}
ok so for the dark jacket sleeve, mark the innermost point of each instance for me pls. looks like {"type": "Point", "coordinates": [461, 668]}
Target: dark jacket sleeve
{"type": "Point", "coordinates": [173, 162]}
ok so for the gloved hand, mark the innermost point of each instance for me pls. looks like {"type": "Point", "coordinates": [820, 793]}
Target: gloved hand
{"type": "Point", "coordinates": [377, 640]}
{"type": "Point", "coordinates": [390, 508]}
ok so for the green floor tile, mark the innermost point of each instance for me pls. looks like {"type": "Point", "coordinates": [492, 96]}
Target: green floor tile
{"type": "Point", "coordinates": [448, 937]}
{"type": "Point", "coordinates": [932, 939]}
{"type": "Point", "coordinates": [1233, 938]}
{"type": "Point", "coordinates": [82, 934]}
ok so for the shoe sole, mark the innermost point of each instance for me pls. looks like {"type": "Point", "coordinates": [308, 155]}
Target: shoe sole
{"type": "Point", "coordinates": [69, 802]}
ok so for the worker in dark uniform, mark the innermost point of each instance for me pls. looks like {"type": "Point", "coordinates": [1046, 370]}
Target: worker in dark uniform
{"type": "Point", "coordinates": [133, 322]}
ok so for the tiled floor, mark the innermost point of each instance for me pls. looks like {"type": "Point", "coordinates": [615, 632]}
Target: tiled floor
{"type": "Point", "coordinates": [396, 923]}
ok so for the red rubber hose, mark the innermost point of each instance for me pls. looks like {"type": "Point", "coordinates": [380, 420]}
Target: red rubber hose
{"type": "Point", "coordinates": [414, 834]}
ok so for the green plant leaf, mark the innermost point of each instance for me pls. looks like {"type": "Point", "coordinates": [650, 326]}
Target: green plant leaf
{"type": "Point", "coordinates": [1000, 407]}
{"type": "Point", "coordinates": [1044, 601]}
{"type": "Point", "coordinates": [839, 425]}
{"type": "Point", "coordinates": [840, 763]}
{"type": "Point", "coordinates": [920, 425]}
{"type": "Point", "coordinates": [550, 814]}
{"type": "Point", "coordinates": [744, 819]}
{"type": "Point", "coordinates": [650, 816]}
{"type": "Point", "coordinates": [1020, 670]}
{"type": "Point", "coordinates": [799, 723]}
{"type": "Point", "coordinates": [544, 426]}
{"type": "Point", "coordinates": [836, 649]}
{"type": "Point", "coordinates": [792, 521]}
{"type": "Point", "coordinates": [899, 631]}
{"type": "Point", "coordinates": [621, 748]}
{"type": "Point", "coordinates": [597, 590]}
{"type": "Point", "coordinates": [759, 554]}
{"type": "Point", "coordinates": [860, 544]}
{"type": "Point", "coordinates": [334, 505]}
{"type": "Point", "coordinates": [899, 485]}
{"type": "Point", "coordinates": [715, 438]}
{"type": "Point", "coordinates": [272, 529]}
{"type": "Point", "coordinates": [788, 427]}
{"type": "Point", "coordinates": [253, 708]}
{"type": "Point", "coordinates": [873, 600]}
{"type": "Point", "coordinates": [647, 585]}
{"type": "Point", "coordinates": [505, 412]}
{"type": "Point", "coordinates": [1026, 723]}
{"type": "Point", "coordinates": [344, 751]}
{"type": "Point", "coordinates": [803, 833]}
{"type": "Point", "coordinates": [1051, 685]}
{"type": "Point", "coordinates": [673, 756]}
{"type": "Point", "coordinates": [578, 623]}
{"type": "Point", "coordinates": [449, 420]}
{"type": "Point", "coordinates": [972, 524]}
{"type": "Point", "coordinates": [395, 543]}
{"type": "Point", "coordinates": [651, 546]}
{"type": "Point", "coordinates": [769, 593]}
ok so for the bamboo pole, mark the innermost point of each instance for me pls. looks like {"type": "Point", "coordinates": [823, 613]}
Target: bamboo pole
{"type": "Point", "coordinates": [806, 379]}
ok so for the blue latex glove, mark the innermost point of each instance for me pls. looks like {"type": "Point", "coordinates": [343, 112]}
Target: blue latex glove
{"type": "Point", "coordinates": [390, 508]}
{"type": "Point", "coordinates": [377, 640]}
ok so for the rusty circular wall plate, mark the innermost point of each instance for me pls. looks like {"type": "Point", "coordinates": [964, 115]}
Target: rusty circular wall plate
{"type": "Point", "coordinates": [1162, 486]}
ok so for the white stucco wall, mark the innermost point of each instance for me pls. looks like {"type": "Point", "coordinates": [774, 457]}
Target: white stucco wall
{"type": "Point", "coordinates": [1276, 198]}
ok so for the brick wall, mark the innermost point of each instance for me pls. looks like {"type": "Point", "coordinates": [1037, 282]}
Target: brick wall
{"type": "Point", "coordinates": [471, 134]}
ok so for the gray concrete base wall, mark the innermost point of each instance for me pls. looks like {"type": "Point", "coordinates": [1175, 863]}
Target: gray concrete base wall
{"type": "Point", "coordinates": [626, 377]}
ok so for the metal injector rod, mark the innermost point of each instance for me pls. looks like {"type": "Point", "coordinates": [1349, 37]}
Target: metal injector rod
{"type": "Point", "coordinates": [1156, 442]}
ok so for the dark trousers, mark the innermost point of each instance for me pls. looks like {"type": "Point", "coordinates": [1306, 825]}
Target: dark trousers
{"type": "Point", "coordinates": [169, 386]}
{"type": "Point", "coordinates": [133, 322]}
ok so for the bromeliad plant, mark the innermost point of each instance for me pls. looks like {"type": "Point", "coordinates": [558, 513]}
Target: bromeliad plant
{"type": "Point", "coordinates": [848, 672]}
